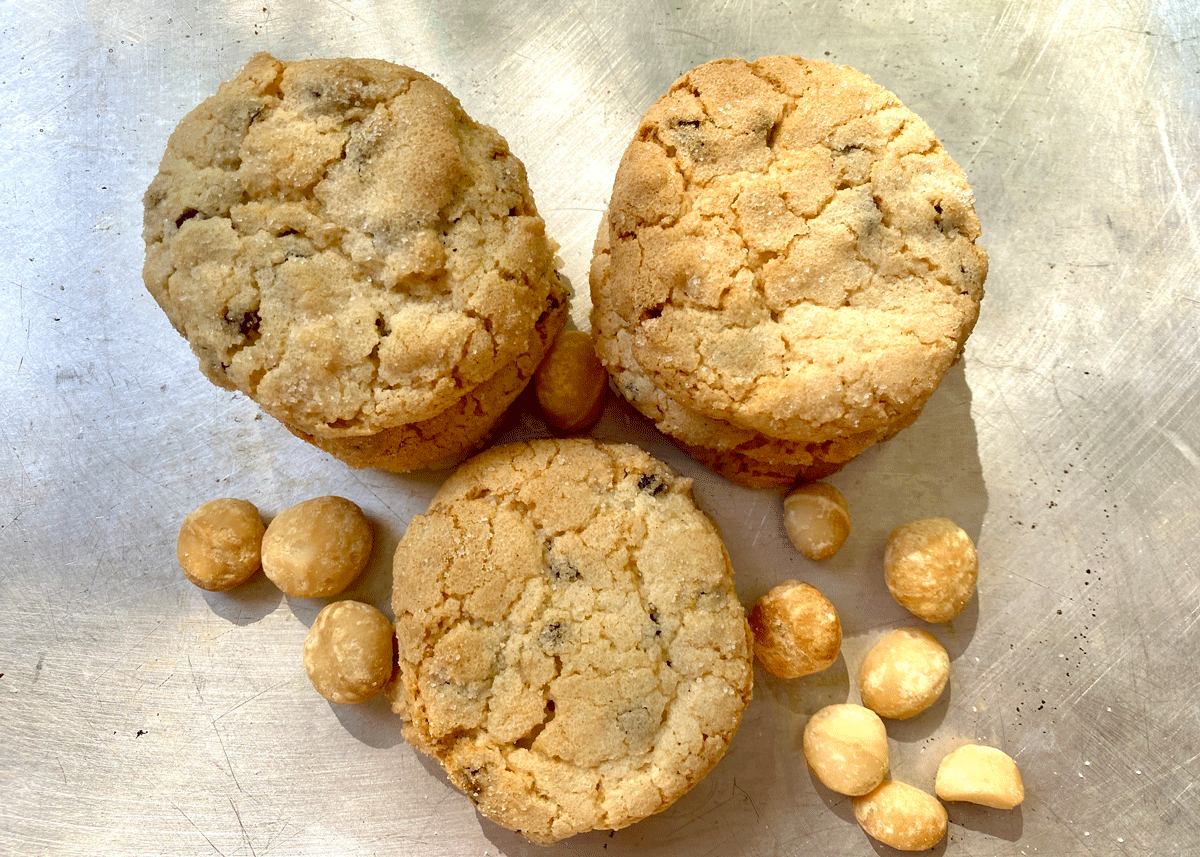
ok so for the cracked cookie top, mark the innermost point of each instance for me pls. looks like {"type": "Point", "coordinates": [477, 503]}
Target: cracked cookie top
{"type": "Point", "coordinates": [571, 647]}
{"type": "Point", "coordinates": [790, 249]}
{"type": "Point", "coordinates": [341, 242]}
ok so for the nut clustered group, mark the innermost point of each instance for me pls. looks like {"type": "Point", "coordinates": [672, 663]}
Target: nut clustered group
{"type": "Point", "coordinates": [930, 568]}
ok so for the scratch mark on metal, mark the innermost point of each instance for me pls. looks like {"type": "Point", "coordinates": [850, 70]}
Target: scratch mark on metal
{"type": "Point", "coordinates": [1180, 193]}
{"type": "Point", "coordinates": [758, 531]}
{"type": "Point", "coordinates": [1184, 448]}
{"type": "Point", "coordinates": [242, 825]}
{"type": "Point", "coordinates": [248, 699]}
{"type": "Point", "coordinates": [121, 658]}
{"type": "Point", "coordinates": [228, 761]}
{"type": "Point", "coordinates": [698, 36]}
{"type": "Point", "coordinates": [198, 830]}
{"type": "Point", "coordinates": [749, 799]}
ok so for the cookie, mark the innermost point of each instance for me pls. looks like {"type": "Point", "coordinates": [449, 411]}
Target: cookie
{"type": "Point", "coordinates": [571, 646]}
{"type": "Point", "coordinates": [739, 454]}
{"type": "Point", "coordinates": [339, 241]}
{"type": "Point", "coordinates": [790, 250]}
{"type": "Point", "coordinates": [445, 440]}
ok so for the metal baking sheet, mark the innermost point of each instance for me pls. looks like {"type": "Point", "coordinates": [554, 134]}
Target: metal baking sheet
{"type": "Point", "coordinates": [141, 716]}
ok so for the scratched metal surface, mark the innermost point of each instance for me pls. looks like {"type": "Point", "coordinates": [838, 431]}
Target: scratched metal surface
{"type": "Point", "coordinates": [141, 716]}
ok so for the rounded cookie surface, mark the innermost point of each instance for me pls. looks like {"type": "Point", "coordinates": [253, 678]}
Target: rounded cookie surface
{"type": "Point", "coordinates": [444, 440]}
{"type": "Point", "coordinates": [341, 242]}
{"type": "Point", "coordinates": [790, 249]}
{"type": "Point", "coordinates": [741, 455]}
{"type": "Point", "coordinates": [571, 647]}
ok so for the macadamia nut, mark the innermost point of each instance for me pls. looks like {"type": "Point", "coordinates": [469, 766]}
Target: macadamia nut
{"type": "Point", "coordinates": [982, 775]}
{"type": "Point", "coordinates": [796, 630]}
{"type": "Point", "coordinates": [220, 544]}
{"type": "Point", "coordinates": [846, 747]}
{"type": "Point", "coordinates": [931, 568]}
{"type": "Point", "coordinates": [348, 653]}
{"type": "Point", "coordinates": [901, 816]}
{"type": "Point", "coordinates": [903, 674]}
{"type": "Point", "coordinates": [317, 548]}
{"type": "Point", "coordinates": [817, 519]}
{"type": "Point", "coordinates": [571, 384]}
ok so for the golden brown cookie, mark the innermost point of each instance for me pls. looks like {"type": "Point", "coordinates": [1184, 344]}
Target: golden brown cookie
{"type": "Point", "coordinates": [571, 647]}
{"type": "Point", "coordinates": [787, 249]}
{"type": "Point", "coordinates": [445, 440]}
{"type": "Point", "coordinates": [741, 455]}
{"type": "Point", "coordinates": [338, 240]}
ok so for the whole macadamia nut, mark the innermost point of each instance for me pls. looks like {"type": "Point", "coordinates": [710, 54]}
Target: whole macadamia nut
{"type": "Point", "coordinates": [931, 568]}
{"type": "Point", "coordinates": [220, 544]}
{"type": "Point", "coordinates": [901, 816]}
{"type": "Point", "coordinates": [571, 383]}
{"type": "Point", "coordinates": [817, 519]}
{"type": "Point", "coordinates": [796, 630]}
{"type": "Point", "coordinates": [980, 774]}
{"type": "Point", "coordinates": [845, 745]}
{"type": "Point", "coordinates": [348, 653]}
{"type": "Point", "coordinates": [903, 674]}
{"type": "Point", "coordinates": [317, 548]}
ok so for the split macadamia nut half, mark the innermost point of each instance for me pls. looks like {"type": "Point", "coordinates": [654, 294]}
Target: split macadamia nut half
{"type": "Point", "coordinates": [571, 383]}
{"type": "Point", "coordinates": [903, 674]}
{"type": "Point", "coordinates": [220, 544]}
{"type": "Point", "coordinates": [845, 745]}
{"type": "Point", "coordinates": [979, 774]}
{"type": "Point", "coordinates": [901, 816]}
{"type": "Point", "coordinates": [796, 630]}
{"type": "Point", "coordinates": [317, 548]}
{"type": "Point", "coordinates": [817, 519]}
{"type": "Point", "coordinates": [931, 568]}
{"type": "Point", "coordinates": [348, 653]}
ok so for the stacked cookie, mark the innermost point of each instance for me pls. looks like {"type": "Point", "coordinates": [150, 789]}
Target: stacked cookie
{"type": "Point", "coordinates": [339, 241]}
{"type": "Point", "coordinates": [787, 267]}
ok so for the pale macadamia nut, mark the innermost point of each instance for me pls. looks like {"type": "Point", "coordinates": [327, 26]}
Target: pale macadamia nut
{"type": "Point", "coordinates": [817, 519]}
{"type": "Point", "coordinates": [796, 630]}
{"type": "Point", "coordinates": [903, 674]}
{"type": "Point", "coordinates": [317, 548]}
{"type": "Point", "coordinates": [846, 747]}
{"type": "Point", "coordinates": [982, 775]}
{"type": "Point", "coordinates": [931, 568]}
{"type": "Point", "coordinates": [220, 544]}
{"type": "Point", "coordinates": [571, 384]}
{"type": "Point", "coordinates": [901, 816]}
{"type": "Point", "coordinates": [348, 653]}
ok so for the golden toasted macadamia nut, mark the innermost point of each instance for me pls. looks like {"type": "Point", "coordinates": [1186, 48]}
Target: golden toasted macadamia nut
{"type": "Point", "coordinates": [348, 653]}
{"type": "Point", "coordinates": [220, 544]}
{"type": "Point", "coordinates": [796, 630]}
{"type": "Point", "coordinates": [901, 816]}
{"type": "Point", "coordinates": [317, 548]}
{"type": "Point", "coordinates": [903, 674]}
{"type": "Point", "coordinates": [817, 519]}
{"type": "Point", "coordinates": [571, 383]}
{"type": "Point", "coordinates": [982, 775]}
{"type": "Point", "coordinates": [931, 568]}
{"type": "Point", "coordinates": [845, 745]}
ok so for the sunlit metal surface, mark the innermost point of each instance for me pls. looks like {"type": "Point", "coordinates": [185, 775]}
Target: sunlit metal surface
{"type": "Point", "coordinates": [141, 716]}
